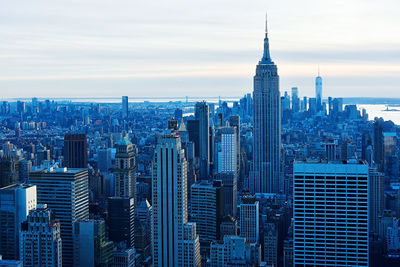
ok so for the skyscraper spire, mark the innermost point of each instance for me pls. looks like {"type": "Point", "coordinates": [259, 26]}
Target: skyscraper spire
{"type": "Point", "coordinates": [266, 56]}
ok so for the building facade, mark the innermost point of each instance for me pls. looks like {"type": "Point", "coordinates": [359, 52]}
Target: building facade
{"type": "Point", "coordinates": [265, 176]}
{"type": "Point", "coordinates": [169, 202]}
{"type": "Point", "coordinates": [15, 203]}
{"type": "Point", "coordinates": [41, 239]}
{"type": "Point", "coordinates": [330, 214]}
{"type": "Point", "coordinates": [66, 192]}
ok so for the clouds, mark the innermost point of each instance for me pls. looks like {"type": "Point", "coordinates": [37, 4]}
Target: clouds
{"type": "Point", "coordinates": [193, 47]}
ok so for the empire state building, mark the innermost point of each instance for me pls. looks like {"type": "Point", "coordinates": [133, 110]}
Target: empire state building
{"type": "Point", "coordinates": [266, 172]}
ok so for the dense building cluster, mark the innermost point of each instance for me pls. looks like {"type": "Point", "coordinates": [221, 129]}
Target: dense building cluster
{"type": "Point", "coordinates": [267, 180]}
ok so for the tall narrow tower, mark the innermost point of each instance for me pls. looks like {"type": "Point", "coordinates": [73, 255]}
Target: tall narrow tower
{"type": "Point", "coordinates": [318, 91]}
{"type": "Point", "coordinates": [202, 115]}
{"type": "Point", "coordinates": [266, 175]}
{"type": "Point", "coordinates": [170, 218]}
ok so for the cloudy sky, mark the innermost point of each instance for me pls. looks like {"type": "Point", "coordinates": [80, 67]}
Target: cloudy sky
{"type": "Point", "coordinates": [104, 48]}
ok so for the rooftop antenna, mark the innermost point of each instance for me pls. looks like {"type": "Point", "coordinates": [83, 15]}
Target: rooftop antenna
{"type": "Point", "coordinates": [318, 71]}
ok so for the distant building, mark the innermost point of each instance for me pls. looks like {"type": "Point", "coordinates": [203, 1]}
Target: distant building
{"type": "Point", "coordinates": [234, 251]}
{"type": "Point", "coordinates": [75, 151]}
{"type": "Point", "coordinates": [41, 239]}
{"type": "Point", "coordinates": [9, 168]}
{"type": "Point", "coordinates": [295, 100]}
{"type": "Point", "coordinates": [125, 110]}
{"type": "Point", "coordinates": [249, 219]}
{"type": "Point", "coordinates": [15, 203]}
{"type": "Point", "coordinates": [328, 199]}
{"type": "Point", "coordinates": [318, 91]}
{"type": "Point", "coordinates": [202, 115]}
{"type": "Point", "coordinates": [66, 192]}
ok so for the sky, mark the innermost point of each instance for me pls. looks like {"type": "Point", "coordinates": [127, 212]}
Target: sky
{"type": "Point", "coordinates": [103, 48]}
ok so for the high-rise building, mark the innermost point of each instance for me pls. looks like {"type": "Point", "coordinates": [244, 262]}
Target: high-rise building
{"type": "Point", "coordinates": [104, 159]}
{"type": "Point", "coordinates": [234, 251]}
{"type": "Point", "coordinates": [169, 202]}
{"type": "Point", "coordinates": [376, 198]}
{"type": "Point", "coordinates": [121, 216]}
{"type": "Point", "coordinates": [330, 214]}
{"type": "Point", "coordinates": [9, 168]}
{"type": "Point", "coordinates": [318, 91]}
{"type": "Point", "coordinates": [202, 115]}
{"type": "Point", "coordinates": [193, 130]}
{"type": "Point", "coordinates": [41, 239]}
{"type": "Point", "coordinates": [66, 192]}
{"type": "Point", "coordinates": [229, 182]}
{"type": "Point", "coordinates": [91, 247]}
{"type": "Point", "coordinates": [390, 155]}
{"type": "Point", "coordinates": [125, 169]}
{"type": "Point", "coordinates": [234, 121]}
{"type": "Point", "coordinates": [249, 219]}
{"type": "Point", "coordinates": [266, 176]}
{"type": "Point", "coordinates": [75, 151]}
{"type": "Point", "coordinates": [125, 110]}
{"type": "Point", "coordinates": [143, 244]}
{"type": "Point", "coordinates": [207, 210]}
{"type": "Point", "coordinates": [378, 144]}
{"type": "Point", "coordinates": [15, 203]}
{"type": "Point", "coordinates": [228, 156]}
{"type": "Point", "coordinates": [295, 100]}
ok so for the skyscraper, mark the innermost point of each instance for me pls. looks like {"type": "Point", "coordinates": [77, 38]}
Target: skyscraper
{"type": "Point", "coordinates": [125, 111]}
{"type": "Point", "coordinates": [376, 198]}
{"type": "Point", "coordinates": [202, 115]}
{"type": "Point", "coordinates": [66, 192]}
{"type": "Point", "coordinates": [207, 210]}
{"type": "Point", "coordinates": [227, 157]}
{"type": "Point", "coordinates": [41, 239]}
{"type": "Point", "coordinates": [75, 151]}
{"type": "Point", "coordinates": [169, 203]}
{"type": "Point", "coordinates": [125, 169]}
{"type": "Point", "coordinates": [90, 243]}
{"type": "Point", "coordinates": [15, 203]}
{"type": "Point", "coordinates": [330, 214]}
{"type": "Point", "coordinates": [295, 100]}
{"type": "Point", "coordinates": [318, 91]}
{"type": "Point", "coordinates": [234, 121]}
{"type": "Point", "coordinates": [122, 220]}
{"type": "Point", "coordinates": [9, 168]}
{"type": "Point", "coordinates": [266, 176]}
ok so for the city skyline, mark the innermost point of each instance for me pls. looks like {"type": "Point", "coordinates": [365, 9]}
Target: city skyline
{"type": "Point", "coordinates": [122, 48]}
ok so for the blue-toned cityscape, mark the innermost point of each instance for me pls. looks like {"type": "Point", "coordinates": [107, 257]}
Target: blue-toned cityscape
{"type": "Point", "coordinates": [266, 179]}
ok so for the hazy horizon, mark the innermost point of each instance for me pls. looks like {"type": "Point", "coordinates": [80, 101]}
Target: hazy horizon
{"type": "Point", "coordinates": [178, 48]}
